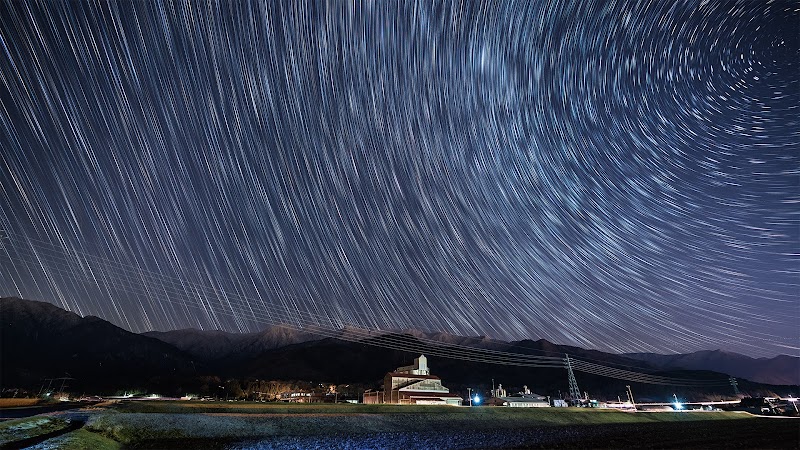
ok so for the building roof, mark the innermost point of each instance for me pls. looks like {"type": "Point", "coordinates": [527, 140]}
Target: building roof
{"type": "Point", "coordinates": [411, 375]}
{"type": "Point", "coordinates": [428, 394]}
{"type": "Point", "coordinates": [525, 399]}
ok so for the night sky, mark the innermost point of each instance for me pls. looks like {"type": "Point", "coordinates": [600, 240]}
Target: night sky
{"type": "Point", "coordinates": [617, 175]}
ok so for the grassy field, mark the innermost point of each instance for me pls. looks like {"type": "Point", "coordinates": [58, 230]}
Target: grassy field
{"type": "Point", "coordinates": [136, 422]}
{"type": "Point", "coordinates": [29, 427]}
{"type": "Point", "coordinates": [19, 402]}
{"type": "Point", "coordinates": [171, 424]}
{"type": "Point", "coordinates": [82, 439]}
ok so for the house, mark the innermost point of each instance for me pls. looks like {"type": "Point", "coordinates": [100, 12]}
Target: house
{"type": "Point", "coordinates": [413, 385]}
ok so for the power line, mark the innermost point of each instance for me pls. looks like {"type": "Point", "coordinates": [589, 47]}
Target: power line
{"type": "Point", "coordinates": [132, 277]}
{"type": "Point", "coordinates": [137, 275]}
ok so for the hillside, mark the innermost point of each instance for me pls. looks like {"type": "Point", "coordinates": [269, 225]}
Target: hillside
{"type": "Point", "coordinates": [782, 369]}
{"type": "Point", "coordinates": [39, 341]}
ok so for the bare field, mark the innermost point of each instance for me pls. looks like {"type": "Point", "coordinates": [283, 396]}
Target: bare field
{"type": "Point", "coordinates": [538, 416]}
{"type": "Point", "coordinates": [240, 425]}
{"type": "Point", "coordinates": [160, 423]}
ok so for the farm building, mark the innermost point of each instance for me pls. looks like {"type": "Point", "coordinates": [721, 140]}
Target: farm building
{"type": "Point", "coordinates": [413, 385]}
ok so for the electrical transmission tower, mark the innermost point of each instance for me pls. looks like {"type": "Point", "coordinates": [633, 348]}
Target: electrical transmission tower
{"type": "Point", "coordinates": [735, 385]}
{"type": "Point", "coordinates": [574, 391]}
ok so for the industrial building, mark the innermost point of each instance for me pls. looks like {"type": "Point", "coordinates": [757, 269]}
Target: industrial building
{"type": "Point", "coordinates": [524, 399]}
{"type": "Point", "coordinates": [413, 384]}
{"type": "Point", "coordinates": [302, 397]}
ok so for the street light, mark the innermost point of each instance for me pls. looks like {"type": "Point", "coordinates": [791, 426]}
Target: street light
{"type": "Point", "coordinates": [677, 403]}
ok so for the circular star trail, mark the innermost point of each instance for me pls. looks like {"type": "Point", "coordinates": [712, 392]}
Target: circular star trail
{"type": "Point", "coordinates": [618, 175]}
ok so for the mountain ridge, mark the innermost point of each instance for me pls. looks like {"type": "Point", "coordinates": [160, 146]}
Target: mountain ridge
{"type": "Point", "coordinates": [781, 369]}
{"type": "Point", "coordinates": [82, 345]}
{"type": "Point", "coordinates": [777, 370]}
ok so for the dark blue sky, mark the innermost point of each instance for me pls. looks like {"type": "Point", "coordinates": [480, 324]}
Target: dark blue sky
{"type": "Point", "coordinates": [611, 174]}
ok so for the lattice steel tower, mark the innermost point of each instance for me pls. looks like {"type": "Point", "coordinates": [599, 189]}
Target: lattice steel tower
{"type": "Point", "coordinates": [735, 385]}
{"type": "Point", "coordinates": [574, 391]}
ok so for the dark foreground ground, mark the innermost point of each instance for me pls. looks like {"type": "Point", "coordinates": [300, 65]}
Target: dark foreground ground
{"type": "Point", "coordinates": [239, 426]}
{"type": "Point", "coordinates": [754, 434]}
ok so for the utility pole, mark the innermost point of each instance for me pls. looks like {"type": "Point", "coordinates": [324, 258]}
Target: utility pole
{"type": "Point", "coordinates": [469, 394]}
{"type": "Point", "coordinates": [48, 386]}
{"type": "Point", "coordinates": [574, 391]}
{"type": "Point", "coordinates": [63, 382]}
{"type": "Point", "coordinates": [493, 388]}
{"type": "Point", "coordinates": [630, 396]}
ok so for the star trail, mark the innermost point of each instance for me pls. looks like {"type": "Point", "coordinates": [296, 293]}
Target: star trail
{"type": "Point", "coordinates": [618, 175]}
